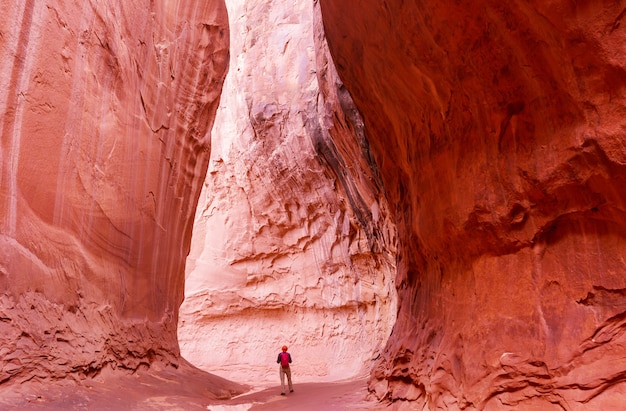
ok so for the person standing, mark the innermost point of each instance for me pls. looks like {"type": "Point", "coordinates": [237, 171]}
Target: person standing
{"type": "Point", "coordinates": [284, 359]}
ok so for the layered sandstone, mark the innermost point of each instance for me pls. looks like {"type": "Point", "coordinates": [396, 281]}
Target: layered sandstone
{"type": "Point", "coordinates": [105, 135]}
{"type": "Point", "coordinates": [498, 131]}
{"type": "Point", "coordinates": [490, 136]}
{"type": "Point", "coordinates": [292, 240]}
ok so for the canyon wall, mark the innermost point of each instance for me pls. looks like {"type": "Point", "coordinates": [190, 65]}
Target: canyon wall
{"type": "Point", "coordinates": [498, 129]}
{"type": "Point", "coordinates": [292, 242]}
{"type": "Point", "coordinates": [471, 156]}
{"type": "Point", "coordinates": [105, 136]}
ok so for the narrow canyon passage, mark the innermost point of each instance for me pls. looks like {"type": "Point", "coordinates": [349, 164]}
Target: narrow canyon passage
{"type": "Point", "coordinates": [292, 243]}
{"type": "Point", "coordinates": [424, 197]}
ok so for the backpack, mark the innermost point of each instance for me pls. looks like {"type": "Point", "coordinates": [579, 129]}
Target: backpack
{"type": "Point", "coordinates": [284, 360]}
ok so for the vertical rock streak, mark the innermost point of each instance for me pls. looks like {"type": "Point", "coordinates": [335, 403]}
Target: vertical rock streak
{"type": "Point", "coordinates": [20, 67]}
{"type": "Point", "coordinates": [105, 141]}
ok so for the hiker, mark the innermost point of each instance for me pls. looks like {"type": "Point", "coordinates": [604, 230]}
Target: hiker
{"type": "Point", "coordinates": [284, 359]}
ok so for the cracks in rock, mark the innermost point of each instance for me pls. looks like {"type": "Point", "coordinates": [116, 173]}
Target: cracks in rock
{"type": "Point", "coordinates": [600, 295]}
{"type": "Point", "coordinates": [511, 110]}
{"type": "Point", "coordinates": [522, 379]}
{"type": "Point", "coordinates": [517, 216]}
{"type": "Point", "coordinates": [145, 114]}
{"type": "Point", "coordinates": [610, 330]}
{"type": "Point", "coordinates": [617, 22]}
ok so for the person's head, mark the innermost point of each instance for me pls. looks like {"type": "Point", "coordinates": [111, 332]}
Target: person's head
{"type": "Point", "coordinates": [284, 348]}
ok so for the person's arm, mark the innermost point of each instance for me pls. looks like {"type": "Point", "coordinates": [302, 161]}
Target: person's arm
{"type": "Point", "coordinates": [278, 359]}
{"type": "Point", "coordinates": [289, 358]}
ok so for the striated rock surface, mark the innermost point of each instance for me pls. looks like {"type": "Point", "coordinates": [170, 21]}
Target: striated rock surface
{"type": "Point", "coordinates": [472, 157]}
{"type": "Point", "coordinates": [292, 240]}
{"type": "Point", "coordinates": [498, 129]}
{"type": "Point", "coordinates": [106, 112]}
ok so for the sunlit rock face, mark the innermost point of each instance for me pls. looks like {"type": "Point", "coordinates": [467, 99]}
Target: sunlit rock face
{"type": "Point", "coordinates": [292, 241]}
{"type": "Point", "coordinates": [498, 129]}
{"type": "Point", "coordinates": [106, 112]}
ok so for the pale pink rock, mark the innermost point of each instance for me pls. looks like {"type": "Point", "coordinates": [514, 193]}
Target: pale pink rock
{"type": "Point", "coordinates": [292, 242]}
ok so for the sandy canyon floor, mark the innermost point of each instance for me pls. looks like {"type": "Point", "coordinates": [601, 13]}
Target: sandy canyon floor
{"type": "Point", "coordinates": [334, 396]}
{"type": "Point", "coordinates": [143, 392]}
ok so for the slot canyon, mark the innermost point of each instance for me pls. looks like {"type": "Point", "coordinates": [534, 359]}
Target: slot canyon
{"type": "Point", "coordinates": [424, 199]}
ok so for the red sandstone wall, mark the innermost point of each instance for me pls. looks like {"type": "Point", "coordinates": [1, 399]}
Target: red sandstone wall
{"type": "Point", "coordinates": [106, 112]}
{"type": "Point", "coordinates": [498, 132]}
{"type": "Point", "coordinates": [498, 128]}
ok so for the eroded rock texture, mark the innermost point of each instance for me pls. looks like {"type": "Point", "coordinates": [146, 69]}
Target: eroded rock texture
{"type": "Point", "coordinates": [292, 240]}
{"type": "Point", "coordinates": [107, 108]}
{"type": "Point", "coordinates": [498, 130]}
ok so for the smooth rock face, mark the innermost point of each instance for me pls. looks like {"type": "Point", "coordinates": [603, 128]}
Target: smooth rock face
{"type": "Point", "coordinates": [498, 130]}
{"type": "Point", "coordinates": [292, 242]}
{"type": "Point", "coordinates": [107, 108]}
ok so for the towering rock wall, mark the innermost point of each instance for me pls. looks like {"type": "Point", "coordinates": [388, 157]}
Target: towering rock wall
{"type": "Point", "coordinates": [498, 129]}
{"type": "Point", "coordinates": [491, 136]}
{"type": "Point", "coordinates": [292, 240]}
{"type": "Point", "coordinates": [107, 108]}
